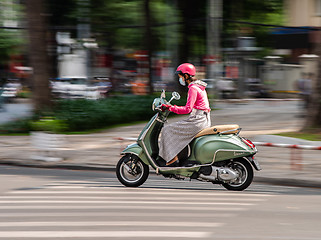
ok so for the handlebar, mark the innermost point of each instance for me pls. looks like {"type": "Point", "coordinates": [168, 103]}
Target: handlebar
{"type": "Point", "coordinates": [162, 100]}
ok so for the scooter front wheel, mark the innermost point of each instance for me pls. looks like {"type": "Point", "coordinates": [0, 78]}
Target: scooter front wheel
{"type": "Point", "coordinates": [245, 177]}
{"type": "Point", "coordinates": [131, 171]}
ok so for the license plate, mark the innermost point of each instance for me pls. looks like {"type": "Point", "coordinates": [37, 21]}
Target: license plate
{"type": "Point", "coordinates": [256, 163]}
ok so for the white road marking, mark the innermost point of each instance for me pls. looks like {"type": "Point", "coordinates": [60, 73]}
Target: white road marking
{"type": "Point", "coordinates": [114, 214]}
{"type": "Point", "coordinates": [105, 234]}
{"type": "Point", "coordinates": [180, 203]}
{"type": "Point", "coordinates": [108, 206]}
{"type": "Point", "coordinates": [125, 191]}
{"type": "Point", "coordinates": [131, 198]}
{"type": "Point", "coordinates": [111, 223]}
{"type": "Point", "coordinates": [122, 207]}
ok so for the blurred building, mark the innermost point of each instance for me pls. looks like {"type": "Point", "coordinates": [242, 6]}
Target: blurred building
{"type": "Point", "coordinates": [304, 17]}
{"type": "Point", "coordinates": [9, 13]}
{"type": "Point", "coordinates": [294, 46]}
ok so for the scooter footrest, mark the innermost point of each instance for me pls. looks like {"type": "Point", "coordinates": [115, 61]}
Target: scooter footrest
{"type": "Point", "coordinates": [187, 163]}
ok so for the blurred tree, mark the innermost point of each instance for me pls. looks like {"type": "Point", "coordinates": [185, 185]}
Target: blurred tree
{"type": "Point", "coordinates": [149, 42]}
{"type": "Point", "coordinates": [133, 25]}
{"type": "Point", "coordinates": [10, 39]}
{"type": "Point", "coordinates": [62, 13]}
{"type": "Point", "coordinates": [193, 29]}
{"type": "Point", "coordinates": [9, 44]}
{"type": "Point", "coordinates": [251, 11]}
{"type": "Point", "coordinates": [313, 115]}
{"type": "Point", "coordinates": [122, 22]}
{"type": "Point", "coordinates": [118, 23]}
{"type": "Point", "coordinates": [37, 27]}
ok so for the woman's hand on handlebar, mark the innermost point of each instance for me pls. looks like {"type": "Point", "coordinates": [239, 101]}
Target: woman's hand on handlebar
{"type": "Point", "coordinates": [165, 107]}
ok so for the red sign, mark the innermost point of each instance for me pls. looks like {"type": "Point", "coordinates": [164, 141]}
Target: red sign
{"type": "Point", "coordinates": [141, 55]}
{"type": "Point", "coordinates": [232, 72]}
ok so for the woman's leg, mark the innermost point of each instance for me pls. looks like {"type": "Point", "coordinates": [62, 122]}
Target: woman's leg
{"type": "Point", "coordinates": [172, 161]}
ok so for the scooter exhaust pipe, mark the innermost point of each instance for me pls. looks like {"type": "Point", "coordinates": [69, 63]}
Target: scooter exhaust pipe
{"type": "Point", "coordinates": [208, 177]}
{"type": "Point", "coordinates": [220, 174]}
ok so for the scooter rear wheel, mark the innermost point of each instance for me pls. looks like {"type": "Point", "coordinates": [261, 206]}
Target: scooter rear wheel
{"type": "Point", "coordinates": [131, 171]}
{"type": "Point", "coordinates": [245, 178]}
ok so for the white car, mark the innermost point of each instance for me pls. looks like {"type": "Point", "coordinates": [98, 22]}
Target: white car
{"type": "Point", "coordinates": [10, 90]}
{"type": "Point", "coordinates": [74, 90]}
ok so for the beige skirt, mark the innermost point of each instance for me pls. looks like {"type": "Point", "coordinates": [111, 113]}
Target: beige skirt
{"type": "Point", "coordinates": [176, 136]}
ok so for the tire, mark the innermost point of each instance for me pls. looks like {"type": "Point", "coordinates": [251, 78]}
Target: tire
{"type": "Point", "coordinates": [131, 171]}
{"type": "Point", "coordinates": [245, 178]}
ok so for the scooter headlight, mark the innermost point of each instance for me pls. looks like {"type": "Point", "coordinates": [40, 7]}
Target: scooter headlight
{"type": "Point", "coordinates": [157, 103]}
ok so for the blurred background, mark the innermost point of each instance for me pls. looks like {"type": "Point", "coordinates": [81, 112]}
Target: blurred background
{"type": "Point", "coordinates": [83, 49]}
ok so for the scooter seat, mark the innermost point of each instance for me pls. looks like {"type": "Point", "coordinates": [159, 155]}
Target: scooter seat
{"type": "Point", "coordinates": [223, 129]}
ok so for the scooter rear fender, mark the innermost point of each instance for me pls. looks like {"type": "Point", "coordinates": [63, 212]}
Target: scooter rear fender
{"type": "Point", "coordinates": [254, 162]}
{"type": "Point", "coordinates": [136, 150]}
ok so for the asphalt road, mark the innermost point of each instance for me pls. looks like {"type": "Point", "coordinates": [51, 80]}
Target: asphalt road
{"type": "Point", "coordinates": [61, 204]}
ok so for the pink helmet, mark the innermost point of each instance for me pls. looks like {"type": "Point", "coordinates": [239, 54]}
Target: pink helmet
{"type": "Point", "coordinates": [186, 68]}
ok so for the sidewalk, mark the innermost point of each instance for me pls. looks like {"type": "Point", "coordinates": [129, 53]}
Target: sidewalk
{"type": "Point", "coordinates": [101, 151]}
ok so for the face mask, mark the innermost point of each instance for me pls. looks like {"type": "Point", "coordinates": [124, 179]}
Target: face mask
{"type": "Point", "coordinates": [182, 82]}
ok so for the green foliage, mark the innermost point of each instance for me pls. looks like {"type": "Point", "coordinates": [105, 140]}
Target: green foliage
{"type": "Point", "coordinates": [253, 11]}
{"type": "Point", "coordinates": [17, 126]}
{"type": "Point", "coordinates": [9, 44]}
{"type": "Point", "coordinates": [122, 22]}
{"type": "Point", "coordinates": [119, 24]}
{"type": "Point", "coordinates": [310, 136]}
{"type": "Point", "coordinates": [49, 125]}
{"type": "Point", "coordinates": [10, 39]}
{"type": "Point", "coordinates": [82, 115]}
{"type": "Point", "coordinates": [24, 94]}
{"type": "Point", "coordinates": [108, 17]}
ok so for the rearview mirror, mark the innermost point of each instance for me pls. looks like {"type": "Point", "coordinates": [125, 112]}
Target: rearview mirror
{"type": "Point", "coordinates": [176, 96]}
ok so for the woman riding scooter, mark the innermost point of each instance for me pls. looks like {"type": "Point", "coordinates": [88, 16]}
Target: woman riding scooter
{"type": "Point", "coordinates": [176, 136]}
{"type": "Point", "coordinates": [215, 154]}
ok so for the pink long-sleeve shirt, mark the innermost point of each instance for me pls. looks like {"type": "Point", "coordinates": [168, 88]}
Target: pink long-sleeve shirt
{"type": "Point", "coordinates": [197, 98]}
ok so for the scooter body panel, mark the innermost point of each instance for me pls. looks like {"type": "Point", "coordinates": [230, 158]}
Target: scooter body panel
{"type": "Point", "coordinates": [148, 139]}
{"type": "Point", "coordinates": [213, 148]}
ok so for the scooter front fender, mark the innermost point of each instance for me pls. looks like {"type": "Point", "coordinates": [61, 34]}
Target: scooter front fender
{"type": "Point", "coordinates": [136, 150]}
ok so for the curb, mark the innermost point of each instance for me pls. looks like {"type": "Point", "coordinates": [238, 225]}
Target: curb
{"type": "Point", "coordinates": [274, 181]}
{"type": "Point", "coordinates": [288, 182]}
{"type": "Point", "coordinates": [57, 166]}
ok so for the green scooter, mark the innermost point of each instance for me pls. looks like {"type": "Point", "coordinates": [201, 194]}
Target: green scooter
{"type": "Point", "coordinates": [217, 155]}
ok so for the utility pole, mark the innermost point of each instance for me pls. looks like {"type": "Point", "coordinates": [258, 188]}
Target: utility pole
{"type": "Point", "coordinates": [213, 58]}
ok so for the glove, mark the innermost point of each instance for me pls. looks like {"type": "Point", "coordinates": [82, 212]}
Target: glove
{"type": "Point", "coordinates": [165, 107]}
